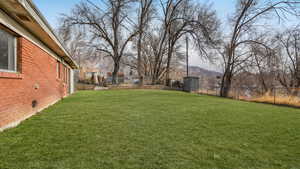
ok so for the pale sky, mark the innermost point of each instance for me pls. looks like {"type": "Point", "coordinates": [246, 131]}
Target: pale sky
{"type": "Point", "coordinates": [52, 9]}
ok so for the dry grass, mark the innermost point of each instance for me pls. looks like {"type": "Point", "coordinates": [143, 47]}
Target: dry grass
{"type": "Point", "coordinates": [284, 100]}
{"type": "Point", "coordinates": [82, 86]}
{"type": "Point", "coordinates": [280, 99]}
{"type": "Point", "coordinates": [208, 92]}
{"type": "Point", "coordinates": [135, 86]}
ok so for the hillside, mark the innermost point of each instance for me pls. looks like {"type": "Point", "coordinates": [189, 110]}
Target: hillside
{"type": "Point", "coordinates": [200, 72]}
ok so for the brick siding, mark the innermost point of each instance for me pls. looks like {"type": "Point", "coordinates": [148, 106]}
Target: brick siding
{"type": "Point", "coordinates": [37, 80]}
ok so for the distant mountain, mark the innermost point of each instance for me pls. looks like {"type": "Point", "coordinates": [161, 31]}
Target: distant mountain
{"type": "Point", "coordinates": [200, 72]}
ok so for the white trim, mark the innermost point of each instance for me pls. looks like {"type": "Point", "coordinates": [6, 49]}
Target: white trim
{"type": "Point", "coordinates": [39, 18]}
{"type": "Point", "coordinates": [15, 27]}
{"type": "Point", "coordinates": [57, 69]}
{"type": "Point", "coordinates": [30, 7]}
{"type": "Point", "coordinates": [8, 71]}
{"type": "Point", "coordinates": [11, 52]}
{"type": "Point", "coordinates": [71, 81]}
{"type": "Point", "coordinates": [16, 53]}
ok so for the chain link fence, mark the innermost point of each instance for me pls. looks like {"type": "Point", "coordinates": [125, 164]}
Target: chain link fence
{"type": "Point", "coordinates": [275, 95]}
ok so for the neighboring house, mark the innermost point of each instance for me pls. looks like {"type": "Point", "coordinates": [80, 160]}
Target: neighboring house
{"type": "Point", "coordinates": [90, 75]}
{"type": "Point", "coordinates": [35, 68]}
{"type": "Point", "coordinates": [120, 78]}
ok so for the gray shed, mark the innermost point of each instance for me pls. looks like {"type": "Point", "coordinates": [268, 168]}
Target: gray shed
{"type": "Point", "coordinates": [191, 84]}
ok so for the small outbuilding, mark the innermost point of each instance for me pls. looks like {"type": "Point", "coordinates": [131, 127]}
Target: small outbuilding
{"type": "Point", "coordinates": [191, 84]}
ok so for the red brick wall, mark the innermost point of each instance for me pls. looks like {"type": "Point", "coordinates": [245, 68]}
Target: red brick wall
{"type": "Point", "coordinates": [37, 80]}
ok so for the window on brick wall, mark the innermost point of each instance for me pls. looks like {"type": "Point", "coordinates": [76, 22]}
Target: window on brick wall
{"type": "Point", "coordinates": [66, 74]}
{"type": "Point", "coordinates": [8, 51]}
{"type": "Point", "coordinates": [58, 69]}
{"type": "Point", "coordinates": [63, 73]}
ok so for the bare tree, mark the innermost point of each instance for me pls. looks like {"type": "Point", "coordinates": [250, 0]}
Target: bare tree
{"type": "Point", "coordinates": [145, 15]}
{"type": "Point", "coordinates": [76, 43]}
{"type": "Point", "coordinates": [183, 17]}
{"type": "Point", "coordinates": [248, 14]}
{"type": "Point", "coordinates": [260, 61]}
{"type": "Point", "coordinates": [108, 28]}
{"type": "Point", "coordinates": [195, 20]}
{"type": "Point", "coordinates": [289, 75]}
{"type": "Point", "coordinates": [149, 50]}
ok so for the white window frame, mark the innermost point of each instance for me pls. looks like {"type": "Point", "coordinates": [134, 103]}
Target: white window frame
{"type": "Point", "coordinates": [15, 55]}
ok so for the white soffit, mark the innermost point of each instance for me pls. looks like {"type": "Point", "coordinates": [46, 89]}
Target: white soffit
{"type": "Point", "coordinates": [27, 15]}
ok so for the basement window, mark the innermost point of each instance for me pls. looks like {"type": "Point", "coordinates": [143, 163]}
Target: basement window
{"type": "Point", "coordinates": [8, 52]}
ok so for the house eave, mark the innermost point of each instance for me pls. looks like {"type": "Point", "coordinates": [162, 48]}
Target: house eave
{"type": "Point", "coordinates": [26, 14]}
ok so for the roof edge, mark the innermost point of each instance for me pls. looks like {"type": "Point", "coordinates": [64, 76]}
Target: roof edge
{"type": "Point", "coordinates": [41, 20]}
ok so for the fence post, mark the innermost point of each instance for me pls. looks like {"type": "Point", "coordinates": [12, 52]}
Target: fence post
{"type": "Point", "coordinates": [274, 94]}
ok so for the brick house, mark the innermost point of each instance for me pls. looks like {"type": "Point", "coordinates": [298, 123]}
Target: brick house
{"type": "Point", "coordinates": [35, 69]}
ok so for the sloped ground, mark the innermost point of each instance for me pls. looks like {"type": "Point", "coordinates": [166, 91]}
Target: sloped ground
{"type": "Point", "coordinates": [151, 129]}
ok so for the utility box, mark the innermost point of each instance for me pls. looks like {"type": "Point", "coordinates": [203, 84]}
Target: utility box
{"type": "Point", "coordinates": [191, 84]}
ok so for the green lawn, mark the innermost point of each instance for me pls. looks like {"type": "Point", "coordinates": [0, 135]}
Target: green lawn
{"type": "Point", "coordinates": [149, 129]}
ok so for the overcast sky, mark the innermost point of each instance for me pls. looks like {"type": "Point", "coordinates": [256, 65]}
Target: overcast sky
{"type": "Point", "coordinates": [52, 9]}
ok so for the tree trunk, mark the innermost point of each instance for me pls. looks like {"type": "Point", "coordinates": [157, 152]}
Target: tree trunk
{"type": "Point", "coordinates": [155, 71]}
{"type": "Point", "coordinates": [227, 77]}
{"type": "Point", "coordinates": [168, 67]}
{"type": "Point", "coordinates": [264, 85]}
{"type": "Point", "coordinates": [115, 73]}
{"type": "Point", "coordinates": [139, 64]}
{"type": "Point", "coordinates": [226, 84]}
{"type": "Point", "coordinates": [154, 79]}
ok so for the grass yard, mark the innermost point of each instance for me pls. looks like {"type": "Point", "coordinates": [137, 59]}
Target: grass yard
{"type": "Point", "coordinates": [150, 129]}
